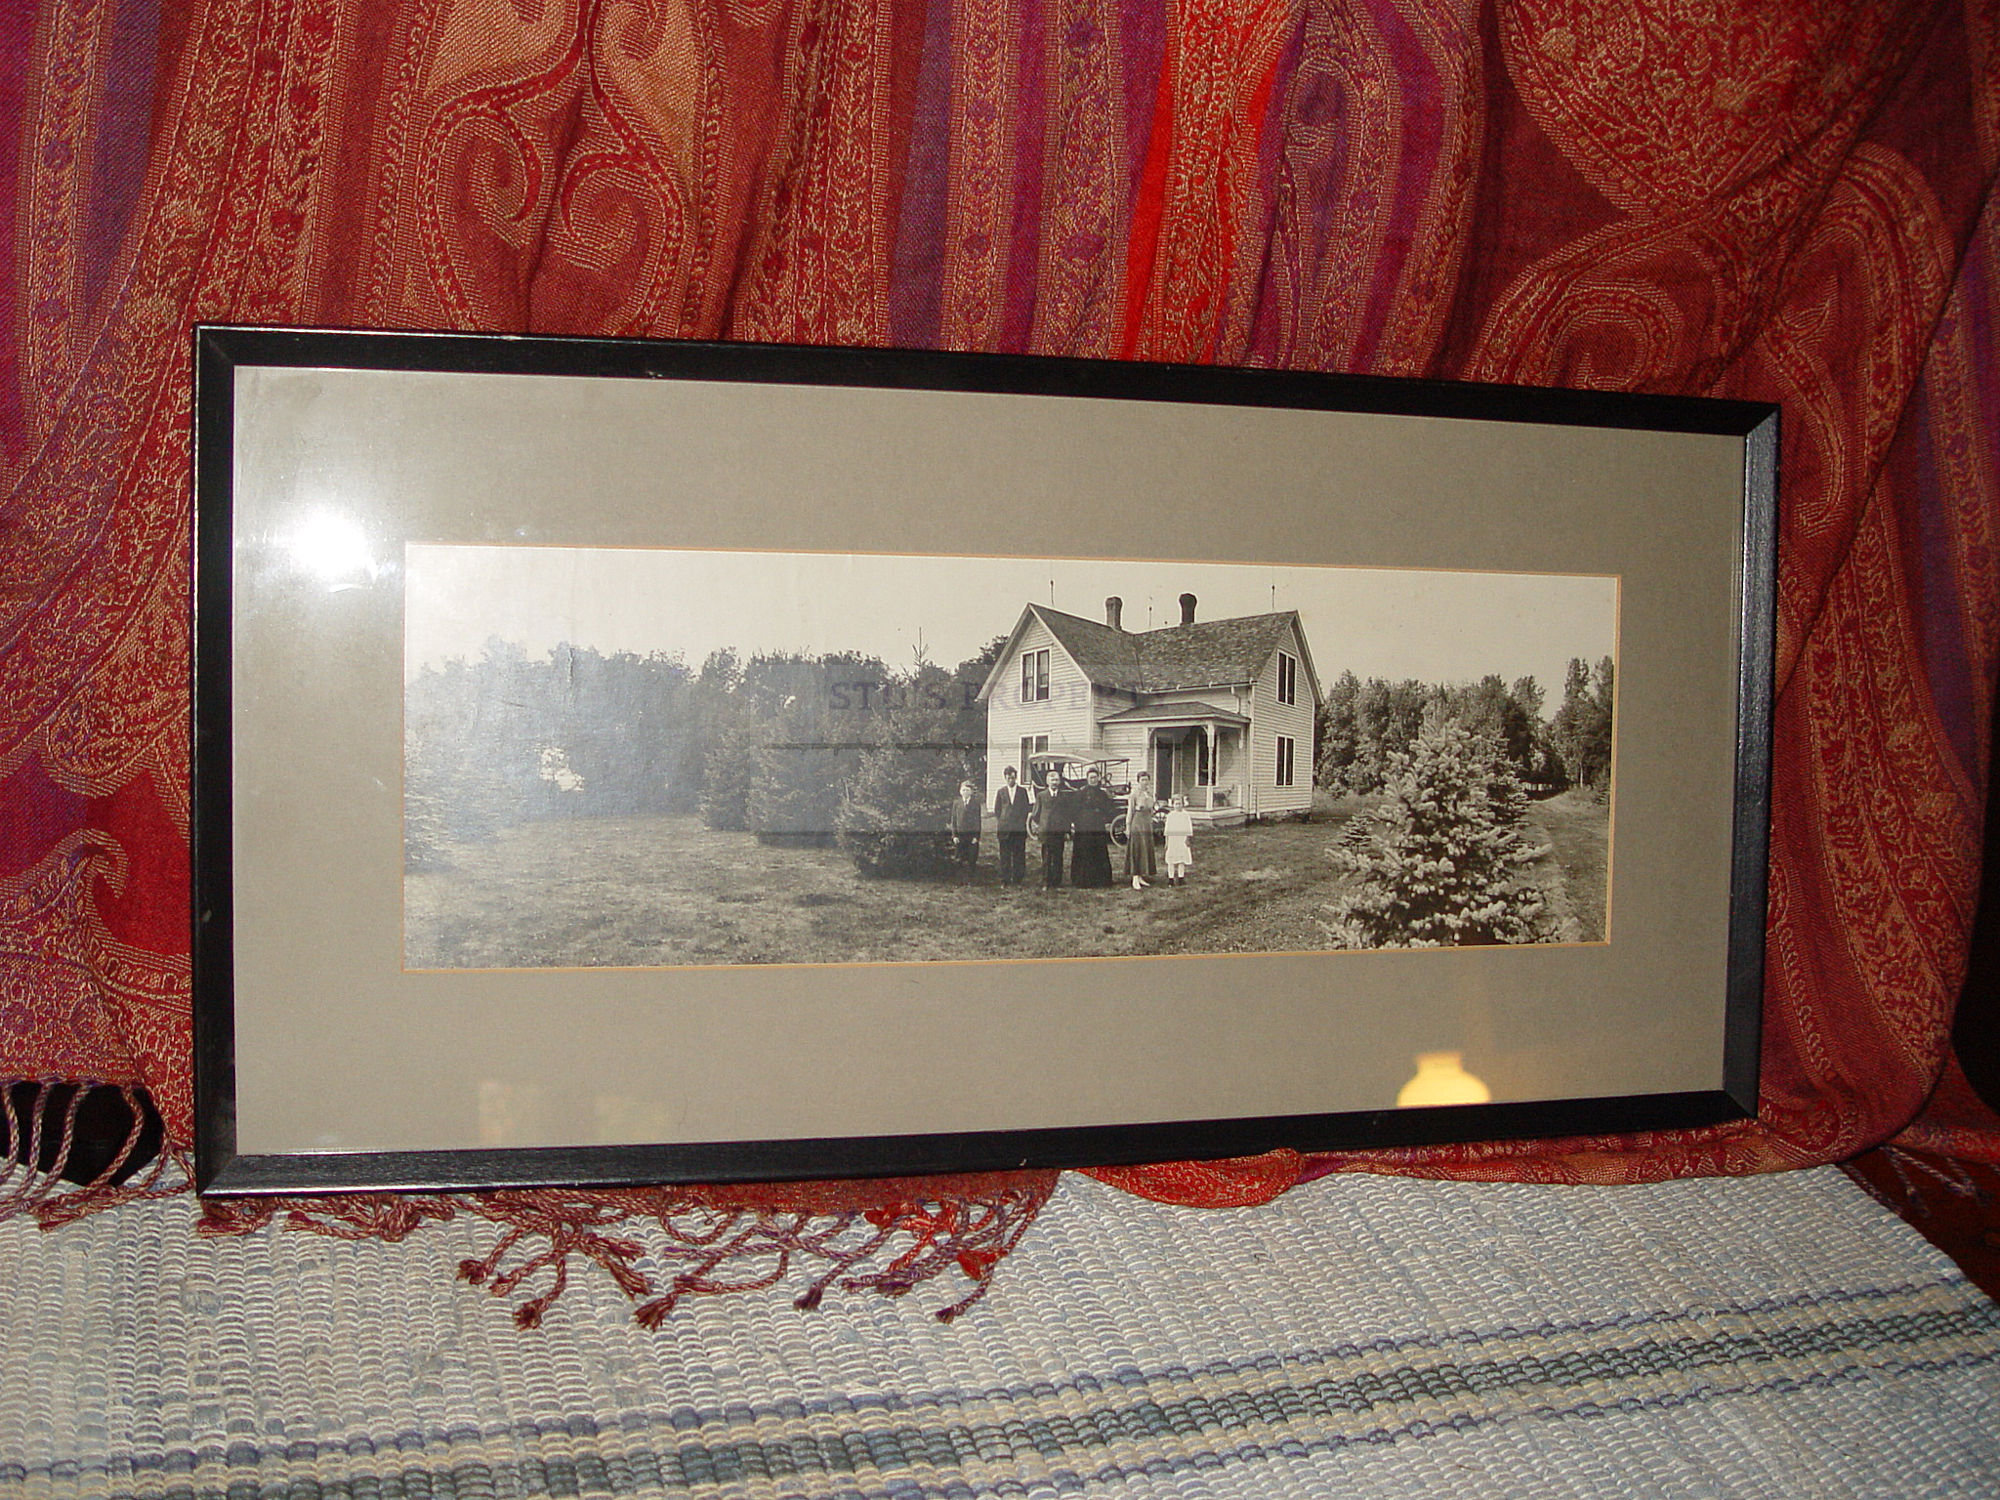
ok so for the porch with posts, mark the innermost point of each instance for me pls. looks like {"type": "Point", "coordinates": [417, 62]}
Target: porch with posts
{"type": "Point", "coordinates": [1194, 750]}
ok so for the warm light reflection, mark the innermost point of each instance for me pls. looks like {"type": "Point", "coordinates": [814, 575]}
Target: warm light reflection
{"type": "Point", "coordinates": [624, 1120]}
{"type": "Point", "coordinates": [512, 1114]}
{"type": "Point", "coordinates": [1442, 1079]}
{"type": "Point", "coordinates": [332, 547]}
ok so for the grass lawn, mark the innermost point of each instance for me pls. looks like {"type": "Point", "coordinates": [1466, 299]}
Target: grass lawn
{"type": "Point", "coordinates": [668, 890]}
{"type": "Point", "coordinates": [1577, 830]}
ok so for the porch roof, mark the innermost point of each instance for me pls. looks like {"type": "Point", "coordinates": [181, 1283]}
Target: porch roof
{"type": "Point", "coordinates": [1177, 713]}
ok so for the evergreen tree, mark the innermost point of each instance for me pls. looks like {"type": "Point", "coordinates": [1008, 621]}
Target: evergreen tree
{"type": "Point", "coordinates": [734, 745]}
{"type": "Point", "coordinates": [473, 736]}
{"type": "Point", "coordinates": [720, 671]}
{"type": "Point", "coordinates": [894, 817]}
{"type": "Point", "coordinates": [1440, 862]}
{"type": "Point", "coordinates": [795, 795]}
{"type": "Point", "coordinates": [710, 714]}
{"type": "Point", "coordinates": [448, 800]}
{"type": "Point", "coordinates": [814, 749]}
{"type": "Point", "coordinates": [623, 720]}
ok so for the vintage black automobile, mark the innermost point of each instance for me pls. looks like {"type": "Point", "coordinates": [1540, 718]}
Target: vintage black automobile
{"type": "Point", "coordinates": [1074, 766]}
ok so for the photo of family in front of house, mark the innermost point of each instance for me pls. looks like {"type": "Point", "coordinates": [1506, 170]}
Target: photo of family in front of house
{"type": "Point", "coordinates": [639, 757]}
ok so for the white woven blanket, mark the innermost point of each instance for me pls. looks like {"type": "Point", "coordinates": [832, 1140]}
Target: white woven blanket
{"type": "Point", "coordinates": [1778, 1336]}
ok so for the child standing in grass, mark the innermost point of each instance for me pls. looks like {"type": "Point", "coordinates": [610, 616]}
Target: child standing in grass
{"type": "Point", "coordinates": [1179, 832]}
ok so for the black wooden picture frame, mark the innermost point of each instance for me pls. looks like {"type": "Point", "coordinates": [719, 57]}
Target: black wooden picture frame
{"type": "Point", "coordinates": [325, 1061]}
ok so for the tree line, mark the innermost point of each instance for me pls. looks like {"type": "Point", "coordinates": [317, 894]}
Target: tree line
{"type": "Point", "coordinates": [1365, 726]}
{"type": "Point", "coordinates": [1443, 857]}
{"type": "Point", "coordinates": [840, 747]}
{"type": "Point", "coordinates": [793, 747]}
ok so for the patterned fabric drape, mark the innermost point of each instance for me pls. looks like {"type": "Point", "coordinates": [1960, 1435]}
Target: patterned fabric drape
{"type": "Point", "coordinates": [1782, 201]}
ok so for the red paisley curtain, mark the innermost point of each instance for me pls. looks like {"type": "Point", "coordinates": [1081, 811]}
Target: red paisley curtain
{"type": "Point", "coordinates": [1783, 201]}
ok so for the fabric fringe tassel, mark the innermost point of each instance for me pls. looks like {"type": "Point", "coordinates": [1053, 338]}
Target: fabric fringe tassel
{"type": "Point", "coordinates": [71, 1149]}
{"type": "Point", "coordinates": [57, 1164]}
{"type": "Point", "coordinates": [663, 1245]}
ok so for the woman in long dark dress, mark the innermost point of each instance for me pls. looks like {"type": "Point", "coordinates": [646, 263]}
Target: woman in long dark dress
{"type": "Point", "coordinates": [1090, 824]}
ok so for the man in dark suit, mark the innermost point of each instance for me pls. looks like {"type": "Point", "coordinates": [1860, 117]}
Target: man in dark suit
{"type": "Point", "coordinates": [1011, 806]}
{"type": "Point", "coordinates": [965, 831]}
{"type": "Point", "coordinates": [1052, 814]}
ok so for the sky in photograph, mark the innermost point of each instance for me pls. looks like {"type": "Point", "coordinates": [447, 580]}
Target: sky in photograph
{"type": "Point", "coordinates": [1436, 627]}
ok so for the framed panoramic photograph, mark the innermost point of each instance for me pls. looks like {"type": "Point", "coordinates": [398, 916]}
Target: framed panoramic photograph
{"type": "Point", "coordinates": [625, 762]}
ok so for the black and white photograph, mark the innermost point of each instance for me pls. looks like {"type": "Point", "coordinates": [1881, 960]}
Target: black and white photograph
{"type": "Point", "coordinates": [622, 761]}
{"type": "Point", "coordinates": [637, 757]}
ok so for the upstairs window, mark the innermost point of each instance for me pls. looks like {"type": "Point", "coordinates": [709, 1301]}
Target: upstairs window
{"type": "Point", "coordinates": [1035, 676]}
{"type": "Point", "coordinates": [1288, 678]}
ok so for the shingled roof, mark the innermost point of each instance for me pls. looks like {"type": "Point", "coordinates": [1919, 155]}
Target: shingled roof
{"type": "Point", "coordinates": [1208, 653]}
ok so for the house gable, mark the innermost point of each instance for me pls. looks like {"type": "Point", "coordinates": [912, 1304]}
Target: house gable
{"type": "Point", "coordinates": [1101, 655]}
{"type": "Point", "coordinates": [1108, 686]}
{"type": "Point", "coordinates": [1297, 646]}
{"type": "Point", "coordinates": [1010, 649]}
{"type": "Point", "coordinates": [1064, 719]}
{"type": "Point", "coordinates": [1281, 734]}
{"type": "Point", "coordinates": [1174, 658]}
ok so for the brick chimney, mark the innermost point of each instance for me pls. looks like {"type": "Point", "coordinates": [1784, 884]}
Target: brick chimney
{"type": "Point", "coordinates": [1114, 612]}
{"type": "Point", "coordinates": [1187, 609]}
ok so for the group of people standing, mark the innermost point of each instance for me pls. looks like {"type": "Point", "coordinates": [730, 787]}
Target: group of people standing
{"type": "Point", "coordinates": [1075, 821]}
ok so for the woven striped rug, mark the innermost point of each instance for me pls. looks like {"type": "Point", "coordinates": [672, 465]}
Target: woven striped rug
{"type": "Point", "coordinates": [1774, 1336]}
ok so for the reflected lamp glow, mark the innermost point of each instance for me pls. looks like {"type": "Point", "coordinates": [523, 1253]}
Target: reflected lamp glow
{"type": "Point", "coordinates": [1442, 1079]}
{"type": "Point", "coordinates": [333, 548]}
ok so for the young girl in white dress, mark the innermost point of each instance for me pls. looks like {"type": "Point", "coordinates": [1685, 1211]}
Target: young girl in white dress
{"type": "Point", "coordinates": [1179, 833]}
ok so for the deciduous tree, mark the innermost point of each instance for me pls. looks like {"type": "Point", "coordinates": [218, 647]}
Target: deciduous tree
{"type": "Point", "coordinates": [1580, 733]}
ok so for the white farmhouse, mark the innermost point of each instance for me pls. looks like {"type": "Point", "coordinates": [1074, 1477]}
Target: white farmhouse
{"type": "Point", "coordinates": [1220, 711]}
